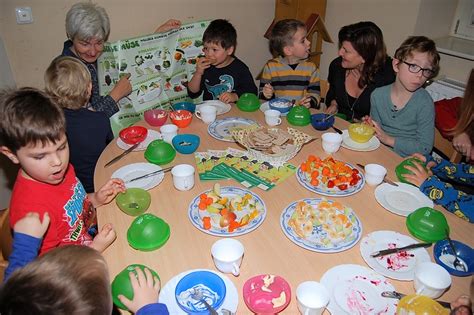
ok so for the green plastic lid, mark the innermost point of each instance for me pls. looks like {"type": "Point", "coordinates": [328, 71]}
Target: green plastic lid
{"type": "Point", "coordinates": [122, 286]}
{"type": "Point", "coordinates": [427, 224]}
{"type": "Point", "coordinates": [248, 102]}
{"type": "Point", "coordinates": [299, 116]}
{"type": "Point", "coordinates": [134, 201]}
{"type": "Point", "coordinates": [400, 169]}
{"type": "Point", "coordinates": [148, 232]}
{"type": "Point", "coordinates": [160, 152]}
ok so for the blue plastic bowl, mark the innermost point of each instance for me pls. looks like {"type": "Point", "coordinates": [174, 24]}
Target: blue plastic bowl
{"type": "Point", "coordinates": [200, 279]}
{"type": "Point", "coordinates": [279, 104]}
{"type": "Point", "coordinates": [185, 105]}
{"type": "Point", "coordinates": [318, 123]}
{"type": "Point", "coordinates": [186, 143]}
{"type": "Point", "coordinates": [443, 255]}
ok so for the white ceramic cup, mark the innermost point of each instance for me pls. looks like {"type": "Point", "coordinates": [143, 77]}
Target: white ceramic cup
{"type": "Point", "coordinates": [206, 113]}
{"type": "Point", "coordinates": [183, 176]}
{"type": "Point", "coordinates": [331, 142]}
{"type": "Point", "coordinates": [312, 297]}
{"type": "Point", "coordinates": [227, 254]}
{"type": "Point", "coordinates": [431, 280]}
{"type": "Point", "coordinates": [272, 117]}
{"type": "Point", "coordinates": [374, 174]}
{"type": "Point", "coordinates": [168, 132]}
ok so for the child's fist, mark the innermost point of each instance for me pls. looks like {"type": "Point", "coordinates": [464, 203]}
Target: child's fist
{"type": "Point", "coordinates": [31, 225]}
{"type": "Point", "coordinates": [268, 91]}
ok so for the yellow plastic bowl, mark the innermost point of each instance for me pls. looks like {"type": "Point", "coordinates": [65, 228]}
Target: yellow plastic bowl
{"type": "Point", "coordinates": [361, 132]}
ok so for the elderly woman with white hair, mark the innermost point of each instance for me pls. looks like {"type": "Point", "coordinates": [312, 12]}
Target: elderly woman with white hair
{"type": "Point", "coordinates": [88, 28]}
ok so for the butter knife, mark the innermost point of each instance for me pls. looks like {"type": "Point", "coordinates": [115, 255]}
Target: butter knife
{"type": "Point", "coordinates": [121, 155]}
{"type": "Point", "coordinates": [385, 180]}
{"type": "Point", "coordinates": [396, 250]}
{"type": "Point", "coordinates": [164, 170]}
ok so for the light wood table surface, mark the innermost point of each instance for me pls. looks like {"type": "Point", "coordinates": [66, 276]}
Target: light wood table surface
{"type": "Point", "coordinates": [267, 249]}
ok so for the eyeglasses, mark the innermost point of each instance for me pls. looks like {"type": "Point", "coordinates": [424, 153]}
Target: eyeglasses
{"type": "Point", "coordinates": [414, 68]}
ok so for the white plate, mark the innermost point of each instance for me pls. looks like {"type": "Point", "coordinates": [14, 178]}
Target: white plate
{"type": "Point", "coordinates": [401, 200]}
{"type": "Point", "coordinates": [266, 106]}
{"type": "Point", "coordinates": [221, 107]}
{"type": "Point", "coordinates": [138, 169]}
{"type": "Point", "coordinates": [167, 294]}
{"type": "Point", "coordinates": [356, 289]}
{"type": "Point", "coordinates": [151, 136]}
{"type": "Point", "coordinates": [399, 266]}
{"type": "Point", "coordinates": [220, 129]}
{"type": "Point", "coordinates": [350, 144]}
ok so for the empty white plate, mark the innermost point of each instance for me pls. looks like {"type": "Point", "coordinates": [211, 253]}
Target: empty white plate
{"type": "Point", "coordinates": [131, 171]}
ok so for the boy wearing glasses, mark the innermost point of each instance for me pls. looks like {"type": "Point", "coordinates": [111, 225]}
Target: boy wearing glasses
{"type": "Point", "coordinates": [402, 113]}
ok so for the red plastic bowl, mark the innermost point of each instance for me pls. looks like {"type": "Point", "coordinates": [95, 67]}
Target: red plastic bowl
{"type": "Point", "coordinates": [181, 118]}
{"type": "Point", "coordinates": [155, 117]}
{"type": "Point", "coordinates": [133, 134]}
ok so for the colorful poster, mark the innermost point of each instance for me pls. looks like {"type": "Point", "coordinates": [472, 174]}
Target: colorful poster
{"type": "Point", "coordinates": [159, 66]}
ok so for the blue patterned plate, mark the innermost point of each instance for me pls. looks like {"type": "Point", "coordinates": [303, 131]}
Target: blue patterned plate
{"type": "Point", "coordinates": [220, 129]}
{"type": "Point", "coordinates": [321, 225]}
{"type": "Point", "coordinates": [254, 203]}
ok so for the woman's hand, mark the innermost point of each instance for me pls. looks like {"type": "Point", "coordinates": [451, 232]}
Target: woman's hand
{"type": "Point", "coordinates": [146, 289]}
{"type": "Point", "coordinates": [268, 91]}
{"type": "Point", "coordinates": [332, 108]}
{"type": "Point", "coordinates": [122, 88]}
{"type": "Point", "coordinates": [107, 192]}
{"type": "Point", "coordinates": [168, 26]}
{"type": "Point", "coordinates": [462, 144]}
{"type": "Point", "coordinates": [382, 136]}
{"type": "Point", "coordinates": [31, 224]}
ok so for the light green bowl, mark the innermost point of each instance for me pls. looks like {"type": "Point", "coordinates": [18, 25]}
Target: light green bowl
{"type": "Point", "coordinates": [134, 201]}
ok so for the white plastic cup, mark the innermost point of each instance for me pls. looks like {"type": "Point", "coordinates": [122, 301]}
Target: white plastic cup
{"type": "Point", "coordinates": [206, 113]}
{"type": "Point", "coordinates": [331, 142]}
{"type": "Point", "coordinates": [374, 174]}
{"type": "Point", "coordinates": [431, 280]}
{"type": "Point", "coordinates": [183, 176]}
{"type": "Point", "coordinates": [272, 117]}
{"type": "Point", "coordinates": [312, 297]}
{"type": "Point", "coordinates": [227, 254]}
{"type": "Point", "coordinates": [168, 132]}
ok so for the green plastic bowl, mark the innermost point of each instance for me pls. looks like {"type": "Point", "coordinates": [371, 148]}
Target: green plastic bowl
{"type": "Point", "coordinates": [134, 201]}
{"type": "Point", "coordinates": [122, 286]}
{"type": "Point", "coordinates": [160, 152]}
{"type": "Point", "coordinates": [427, 224]}
{"type": "Point", "coordinates": [299, 116]}
{"type": "Point", "coordinates": [248, 102]}
{"type": "Point", "coordinates": [148, 232]}
{"type": "Point", "coordinates": [400, 169]}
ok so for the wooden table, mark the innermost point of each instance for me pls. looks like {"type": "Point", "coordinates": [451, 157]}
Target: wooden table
{"type": "Point", "coordinates": [267, 249]}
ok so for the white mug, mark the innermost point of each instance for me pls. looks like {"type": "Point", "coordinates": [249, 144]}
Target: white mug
{"type": "Point", "coordinates": [227, 254]}
{"type": "Point", "coordinates": [272, 117]}
{"type": "Point", "coordinates": [183, 176]}
{"type": "Point", "coordinates": [206, 113]}
{"type": "Point", "coordinates": [331, 142]}
{"type": "Point", "coordinates": [431, 280]}
{"type": "Point", "coordinates": [312, 297]}
{"type": "Point", "coordinates": [168, 132]}
{"type": "Point", "coordinates": [374, 174]}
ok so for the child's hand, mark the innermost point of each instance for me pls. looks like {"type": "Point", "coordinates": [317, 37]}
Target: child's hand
{"type": "Point", "coordinates": [168, 26]}
{"type": "Point", "coordinates": [420, 174]}
{"type": "Point", "coordinates": [228, 97]}
{"type": "Point", "coordinates": [268, 91]}
{"type": "Point", "coordinates": [305, 101]}
{"type": "Point", "coordinates": [145, 290]}
{"type": "Point", "coordinates": [202, 64]}
{"type": "Point", "coordinates": [31, 225]}
{"type": "Point", "coordinates": [422, 158]}
{"type": "Point", "coordinates": [104, 238]}
{"type": "Point", "coordinates": [332, 108]}
{"type": "Point", "coordinates": [462, 305]}
{"type": "Point", "coordinates": [382, 136]}
{"type": "Point", "coordinates": [107, 192]}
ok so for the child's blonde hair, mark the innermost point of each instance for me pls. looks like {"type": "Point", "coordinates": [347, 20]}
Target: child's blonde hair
{"type": "Point", "coordinates": [68, 82]}
{"type": "Point", "coordinates": [420, 44]}
{"type": "Point", "coordinates": [69, 280]}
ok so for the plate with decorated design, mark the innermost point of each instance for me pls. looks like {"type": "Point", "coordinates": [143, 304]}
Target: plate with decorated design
{"type": "Point", "coordinates": [221, 129]}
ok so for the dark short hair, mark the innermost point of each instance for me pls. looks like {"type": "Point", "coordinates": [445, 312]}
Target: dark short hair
{"type": "Point", "coordinates": [420, 44]}
{"type": "Point", "coordinates": [367, 39]}
{"type": "Point", "coordinates": [220, 32]}
{"type": "Point", "coordinates": [69, 280]}
{"type": "Point", "coordinates": [282, 35]}
{"type": "Point", "coordinates": [29, 116]}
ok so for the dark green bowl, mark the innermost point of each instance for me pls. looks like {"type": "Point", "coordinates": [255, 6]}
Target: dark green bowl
{"type": "Point", "coordinates": [122, 286]}
{"type": "Point", "coordinates": [160, 152]}
{"type": "Point", "coordinates": [299, 116]}
{"type": "Point", "coordinates": [400, 169]}
{"type": "Point", "coordinates": [248, 102]}
{"type": "Point", "coordinates": [148, 232]}
{"type": "Point", "coordinates": [427, 224]}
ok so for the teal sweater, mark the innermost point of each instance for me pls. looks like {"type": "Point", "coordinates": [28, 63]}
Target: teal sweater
{"type": "Point", "coordinates": [412, 126]}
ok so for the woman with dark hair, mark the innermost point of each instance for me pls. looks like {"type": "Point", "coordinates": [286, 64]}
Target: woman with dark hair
{"type": "Point", "coordinates": [362, 66]}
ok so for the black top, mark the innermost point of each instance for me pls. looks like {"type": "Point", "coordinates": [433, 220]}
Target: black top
{"type": "Point", "coordinates": [361, 105]}
{"type": "Point", "coordinates": [88, 133]}
{"type": "Point", "coordinates": [235, 77]}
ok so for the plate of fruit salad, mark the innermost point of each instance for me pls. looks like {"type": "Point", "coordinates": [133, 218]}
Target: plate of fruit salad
{"type": "Point", "coordinates": [330, 177]}
{"type": "Point", "coordinates": [227, 211]}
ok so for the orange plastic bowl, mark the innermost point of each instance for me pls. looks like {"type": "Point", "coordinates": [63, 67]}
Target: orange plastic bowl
{"type": "Point", "coordinates": [133, 134]}
{"type": "Point", "coordinates": [181, 118]}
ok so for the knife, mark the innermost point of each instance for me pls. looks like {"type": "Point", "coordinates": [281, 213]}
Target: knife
{"type": "Point", "coordinates": [164, 170]}
{"type": "Point", "coordinates": [396, 250]}
{"type": "Point", "coordinates": [385, 179]}
{"type": "Point", "coordinates": [339, 131]}
{"type": "Point", "coordinates": [398, 295]}
{"type": "Point", "coordinates": [121, 155]}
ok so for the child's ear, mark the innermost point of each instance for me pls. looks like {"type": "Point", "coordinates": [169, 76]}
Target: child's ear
{"type": "Point", "coordinates": [9, 154]}
{"type": "Point", "coordinates": [395, 64]}
{"type": "Point", "coordinates": [230, 50]}
{"type": "Point", "coordinates": [287, 51]}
